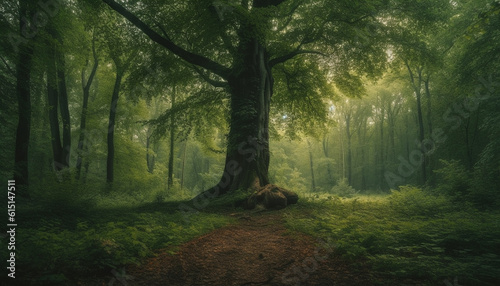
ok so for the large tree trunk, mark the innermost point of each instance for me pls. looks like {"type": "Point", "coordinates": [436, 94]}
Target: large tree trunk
{"type": "Point", "coordinates": [23, 85]}
{"type": "Point", "coordinates": [247, 157]}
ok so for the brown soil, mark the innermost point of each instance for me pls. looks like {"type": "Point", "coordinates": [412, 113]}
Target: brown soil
{"type": "Point", "coordinates": [258, 250]}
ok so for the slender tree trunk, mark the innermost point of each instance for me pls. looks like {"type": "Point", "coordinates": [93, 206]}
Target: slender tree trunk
{"type": "Point", "coordinates": [150, 159]}
{"type": "Point", "coordinates": [85, 168]}
{"type": "Point", "coordinates": [421, 134]}
{"type": "Point", "coordinates": [53, 101]}
{"type": "Point", "coordinates": [349, 147]}
{"type": "Point", "coordinates": [58, 99]}
{"type": "Point", "coordinates": [111, 125]}
{"type": "Point", "coordinates": [23, 86]}
{"type": "Point", "coordinates": [361, 139]}
{"type": "Point", "coordinates": [429, 127]}
{"type": "Point", "coordinates": [328, 168]}
{"type": "Point", "coordinates": [417, 88]}
{"type": "Point", "coordinates": [63, 105]}
{"type": "Point", "coordinates": [170, 180]}
{"type": "Point", "coordinates": [391, 114]}
{"type": "Point", "coordinates": [311, 165]}
{"type": "Point", "coordinates": [183, 164]}
{"type": "Point", "coordinates": [86, 83]}
{"type": "Point", "coordinates": [429, 107]}
{"type": "Point", "coordinates": [342, 153]}
{"type": "Point", "coordinates": [468, 145]}
{"type": "Point", "coordinates": [407, 137]}
{"type": "Point", "coordinates": [382, 145]}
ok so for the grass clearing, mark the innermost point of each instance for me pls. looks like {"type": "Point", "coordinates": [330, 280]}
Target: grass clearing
{"type": "Point", "coordinates": [408, 235]}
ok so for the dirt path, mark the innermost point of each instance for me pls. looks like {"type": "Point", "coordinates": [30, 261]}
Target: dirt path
{"type": "Point", "coordinates": [257, 251]}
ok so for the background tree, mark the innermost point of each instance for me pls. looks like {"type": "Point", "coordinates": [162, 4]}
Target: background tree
{"type": "Point", "coordinates": [23, 91]}
{"type": "Point", "coordinates": [122, 52]}
{"type": "Point", "coordinates": [58, 98]}
{"type": "Point", "coordinates": [86, 85]}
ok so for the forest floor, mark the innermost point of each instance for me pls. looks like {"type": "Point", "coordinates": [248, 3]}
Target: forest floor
{"type": "Point", "coordinates": [409, 237]}
{"type": "Point", "coordinates": [258, 250]}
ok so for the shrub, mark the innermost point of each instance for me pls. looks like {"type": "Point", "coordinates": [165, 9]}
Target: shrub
{"type": "Point", "coordinates": [462, 186]}
{"type": "Point", "coordinates": [343, 189]}
{"type": "Point", "coordinates": [454, 180]}
{"type": "Point", "coordinates": [412, 201]}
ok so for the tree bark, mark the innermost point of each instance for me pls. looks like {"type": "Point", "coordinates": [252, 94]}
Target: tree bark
{"type": "Point", "coordinates": [23, 91]}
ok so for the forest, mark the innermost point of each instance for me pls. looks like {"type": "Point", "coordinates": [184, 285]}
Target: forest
{"type": "Point", "coordinates": [250, 142]}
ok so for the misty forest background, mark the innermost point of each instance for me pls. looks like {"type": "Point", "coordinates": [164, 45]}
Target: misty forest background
{"type": "Point", "coordinates": [383, 113]}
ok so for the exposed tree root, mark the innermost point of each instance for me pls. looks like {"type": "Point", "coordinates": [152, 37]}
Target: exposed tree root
{"type": "Point", "coordinates": [271, 196]}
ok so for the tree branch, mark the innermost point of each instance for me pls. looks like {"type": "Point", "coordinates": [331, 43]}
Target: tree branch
{"type": "Point", "coordinates": [291, 55]}
{"type": "Point", "coordinates": [355, 20]}
{"type": "Point", "coordinates": [86, 86]}
{"type": "Point", "coordinates": [190, 57]}
{"type": "Point", "coordinates": [214, 83]}
{"type": "Point", "coordinates": [7, 66]}
{"type": "Point", "coordinates": [266, 3]}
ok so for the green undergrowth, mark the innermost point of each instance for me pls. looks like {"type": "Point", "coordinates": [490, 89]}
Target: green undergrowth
{"type": "Point", "coordinates": [59, 243]}
{"type": "Point", "coordinates": [407, 235]}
